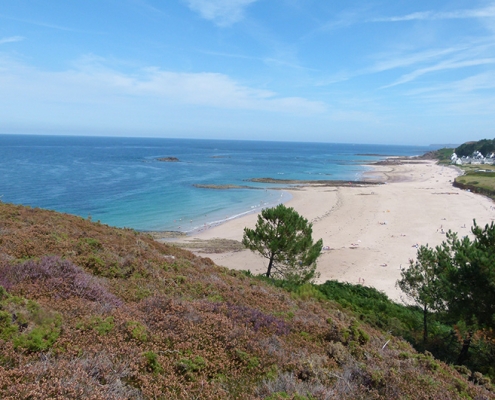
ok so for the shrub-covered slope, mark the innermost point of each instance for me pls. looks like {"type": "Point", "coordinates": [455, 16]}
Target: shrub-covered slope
{"type": "Point", "coordinates": [92, 312]}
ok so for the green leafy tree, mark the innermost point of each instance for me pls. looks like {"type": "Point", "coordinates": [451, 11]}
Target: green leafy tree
{"type": "Point", "coordinates": [422, 282]}
{"type": "Point", "coordinates": [285, 238]}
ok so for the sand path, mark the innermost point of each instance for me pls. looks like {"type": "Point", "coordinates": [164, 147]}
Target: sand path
{"type": "Point", "coordinates": [371, 231]}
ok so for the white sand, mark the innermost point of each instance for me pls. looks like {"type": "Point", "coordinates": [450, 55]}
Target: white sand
{"type": "Point", "coordinates": [371, 230]}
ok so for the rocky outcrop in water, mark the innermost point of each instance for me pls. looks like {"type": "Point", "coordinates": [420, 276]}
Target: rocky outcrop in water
{"type": "Point", "coordinates": [168, 159]}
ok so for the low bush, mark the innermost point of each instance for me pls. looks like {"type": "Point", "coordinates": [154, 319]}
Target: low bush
{"type": "Point", "coordinates": [59, 278]}
{"type": "Point", "coordinates": [27, 325]}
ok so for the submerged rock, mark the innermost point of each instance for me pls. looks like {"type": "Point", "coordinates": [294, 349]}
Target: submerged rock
{"type": "Point", "coordinates": [168, 159]}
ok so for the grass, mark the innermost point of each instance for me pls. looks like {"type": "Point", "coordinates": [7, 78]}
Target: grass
{"type": "Point", "coordinates": [477, 180]}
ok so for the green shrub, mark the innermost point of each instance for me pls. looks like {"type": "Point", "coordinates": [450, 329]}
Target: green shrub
{"type": "Point", "coordinates": [26, 324]}
{"type": "Point", "coordinates": [152, 364]}
{"type": "Point", "coordinates": [245, 358]}
{"type": "Point", "coordinates": [137, 331]}
{"type": "Point", "coordinates": [101, 325]}
{"type": "Point", "coordinates": [189, 367]}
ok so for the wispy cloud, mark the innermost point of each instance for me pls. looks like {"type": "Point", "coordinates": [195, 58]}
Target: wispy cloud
{"type": "Point", "coordinates": [388, 62]}
{"type": "Point", "coordinates": [228, 55]}
{"type": "Point", "coordinates": [473, 95]}
{"type": "Point", "coordinates": [91, 80]}
{"type": "Point", "coordinates": [11, 39]}
{"type": "Point", "coordinates": [487, 12]}
{"type": "Point", "coordinates": [222, 12]}
{"type": "Point", "coordinates": [145, 5]}
{"type": "Point", "coordinates": [266, 60]}
{"type": "Point", "coordinates": [481, 82]}
{"type": "Point", "coordinates": [446, 65]}
{"type": "Point", "coordinates": [346, 18]}
{"type": "Point", "coordinates": [400, 60]}
{"type": "Point", "coordinates": [45, 24]}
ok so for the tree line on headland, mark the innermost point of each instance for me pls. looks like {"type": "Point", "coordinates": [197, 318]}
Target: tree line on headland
{"type": "Point", "coordinates": [484, 146]}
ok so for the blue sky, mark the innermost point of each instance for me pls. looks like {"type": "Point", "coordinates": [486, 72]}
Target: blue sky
{"type": "Point", "coordinates": [388, 71]}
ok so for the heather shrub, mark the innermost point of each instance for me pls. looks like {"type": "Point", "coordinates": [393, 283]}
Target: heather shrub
{"type": "Point", "coordinates": [252, 317]}
{"type": "Point", "coordinates": [174, 339]}
{"type": "Point", "coordinates": [338, 352]}
{"type": "Point", "coordinates": [479, 379]}
{"type": "Point", "coordinates": [60, 278]}
{"type": "Point", "coordinates": [98, 376]}
{"type": "Point", "coordinates": [288, 386]}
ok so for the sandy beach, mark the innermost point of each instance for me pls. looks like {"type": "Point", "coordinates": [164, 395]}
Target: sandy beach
{"type": "Point", "coordinates": [370, 231]}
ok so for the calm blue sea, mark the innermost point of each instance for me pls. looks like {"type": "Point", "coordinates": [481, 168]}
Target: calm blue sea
{"type": "Point", "coordinates": [119, 181]}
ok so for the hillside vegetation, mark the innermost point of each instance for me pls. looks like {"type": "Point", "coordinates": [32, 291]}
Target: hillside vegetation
{"type": "Point", "coordinates": [93, 312]}
{"type": "Point", "coordinates": [484, 146]}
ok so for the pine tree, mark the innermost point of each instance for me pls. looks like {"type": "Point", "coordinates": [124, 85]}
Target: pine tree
{"type": "Point", "coordinates": [285, 238]}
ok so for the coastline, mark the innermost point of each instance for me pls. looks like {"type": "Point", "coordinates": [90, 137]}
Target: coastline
{"type": "Point", "coordinates": [286, 188]}
{"type": "Point", "coordinates": [371, 231]}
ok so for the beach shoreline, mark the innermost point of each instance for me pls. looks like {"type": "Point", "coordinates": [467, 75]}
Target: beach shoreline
{"type": "Point", "coordinates": [366, 179]}
{"type": "Point", "coordinates": [371, 232]}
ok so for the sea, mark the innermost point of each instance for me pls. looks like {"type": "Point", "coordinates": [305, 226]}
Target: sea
{"type": "Point", "coordinates": [120, 181]}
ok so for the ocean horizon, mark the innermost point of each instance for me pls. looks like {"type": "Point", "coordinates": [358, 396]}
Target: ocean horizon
{"type": "Point", "coordinates": [120, 181]}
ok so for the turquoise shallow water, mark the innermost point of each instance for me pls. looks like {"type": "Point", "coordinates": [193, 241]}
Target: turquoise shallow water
{"type": "Point", "coordinates": [120, 182]}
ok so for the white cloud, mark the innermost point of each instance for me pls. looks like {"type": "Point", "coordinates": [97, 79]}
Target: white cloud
{"type": "Point", "coordinates": [93, 84]}
{"type": "Point", "coordinates": [11, 39]}
{"type": "Point", "coordinates": [487, 12]}
{"type": "Point", "coordinates": [222, 12]}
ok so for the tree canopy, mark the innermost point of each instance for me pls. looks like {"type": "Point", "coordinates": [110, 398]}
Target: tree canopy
{"type": "Point", "coordinates": [422, 282]}
{"type": "Point", "coordinates": [457, 277]}
{"type": "Point", "coordinates": [484, 146]}
{"type": "Point", "coordinates": [469, 275]}
{"type": "Point", "coordinates": [285, 238]}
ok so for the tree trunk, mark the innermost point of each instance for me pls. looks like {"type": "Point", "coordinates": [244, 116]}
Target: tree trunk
{"type": "Point", "coordinates": [268, 272]}
{"type": "Point", "coordinates": [464, 351]}
{"type": "Point", "coordinates": [425, 324]}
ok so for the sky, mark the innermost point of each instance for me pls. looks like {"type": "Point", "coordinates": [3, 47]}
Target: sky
{"type": "Point", "coordinates": [374, 71]}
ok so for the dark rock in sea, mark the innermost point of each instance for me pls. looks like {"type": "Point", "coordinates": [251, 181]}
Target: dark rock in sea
{"type": "Point", "coordinates": [221, 187]}
{"type": "Point", "coordinates": [168, 159]}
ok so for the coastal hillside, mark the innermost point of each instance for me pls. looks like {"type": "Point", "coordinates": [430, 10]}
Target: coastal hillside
{"type": "Point", "coordinates": [88, 311]}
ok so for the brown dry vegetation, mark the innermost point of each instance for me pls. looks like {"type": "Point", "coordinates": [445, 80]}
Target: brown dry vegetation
{"type": "Point", "coordinates": [215, 245]}
{"type": "Point", "coordinates": [113, 314]}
